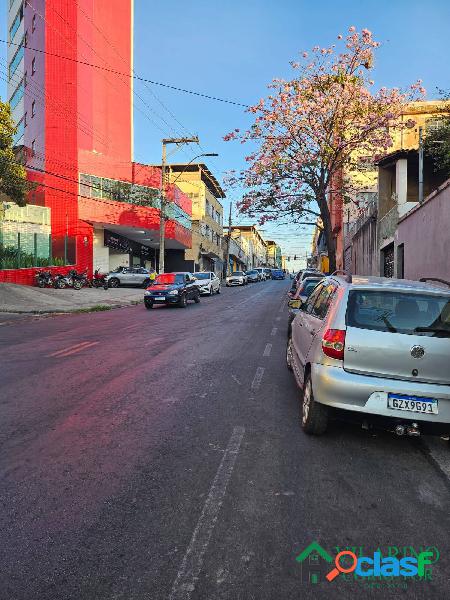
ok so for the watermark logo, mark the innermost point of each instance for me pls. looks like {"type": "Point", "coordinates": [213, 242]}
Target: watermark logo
{"type": "Point", "coordinates": [355, 564]}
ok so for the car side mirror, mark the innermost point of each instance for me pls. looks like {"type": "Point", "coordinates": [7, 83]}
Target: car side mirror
{"type": "Point", "coordinates": [295, 303]}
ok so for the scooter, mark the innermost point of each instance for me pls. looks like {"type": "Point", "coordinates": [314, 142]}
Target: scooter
{"type": "Point", "coordinates": [99, 279]}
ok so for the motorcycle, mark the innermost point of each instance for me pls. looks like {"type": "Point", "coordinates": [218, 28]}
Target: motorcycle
{"type": "Point", "coordinates": [77, 280]}
{"type": "Point", "coordinates": [44, 279]}
{"type": "Point", "coordinates": [99, 279]}
{"type": "Point", "coordinates": [59, 281]}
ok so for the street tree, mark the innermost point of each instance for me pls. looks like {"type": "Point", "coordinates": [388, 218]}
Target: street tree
{"type": "Point", "coordinates": [13, 181]}
{"type": "Point", "coordinates": [308, 133]}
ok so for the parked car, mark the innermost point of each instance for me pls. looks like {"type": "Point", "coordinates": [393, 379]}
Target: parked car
{"type": "Point", "coordinates": [302, 294]}
{"type": "Point", "coordinates": [278, 274]}
{"type": "Point", "coordinates": [237, 278]}
{"type": "Point", "coordinates": [268, 273]}
{"type": "Point", "coordinates": [208, 282]}
{"type": "Point", "coordinates": [134, 276]}
{"type": "Point", "coordinates": [172, 288]}
{"type": "Point", "coordinates": [261, 273]}
{"type": "Point", "coordinates": [253, 276]}
{"type": "Point", "coordinates": [376, 348]}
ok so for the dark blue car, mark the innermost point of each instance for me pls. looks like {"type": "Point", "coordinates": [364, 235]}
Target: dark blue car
{"type": "Point", "coordinates": [278, 274]}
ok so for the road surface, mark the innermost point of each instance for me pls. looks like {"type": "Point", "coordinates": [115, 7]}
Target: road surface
{"type": "Point", "coordinates": [157, 454]}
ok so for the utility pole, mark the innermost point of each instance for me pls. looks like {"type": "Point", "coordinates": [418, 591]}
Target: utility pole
{"type": "Point", "coordinates": [162, 217]}
{"type": "Point", "coordinates": [420, 165]}
{"type": "Point", "coordinates": [227, 256]}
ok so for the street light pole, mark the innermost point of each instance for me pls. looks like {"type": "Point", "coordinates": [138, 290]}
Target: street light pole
{"type": "Point", "coordinates": [162, 217]}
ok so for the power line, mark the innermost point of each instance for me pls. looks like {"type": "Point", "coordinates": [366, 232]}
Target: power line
{"type": "Point", "coordinates": [114, 71]}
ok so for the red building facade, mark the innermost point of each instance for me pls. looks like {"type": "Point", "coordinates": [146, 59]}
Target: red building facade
{"type": "Point", "coordinates": [78, 136]}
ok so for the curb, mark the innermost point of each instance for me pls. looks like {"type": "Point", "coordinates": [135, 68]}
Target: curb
{"type": "Point", "coordinates": [56, 311]}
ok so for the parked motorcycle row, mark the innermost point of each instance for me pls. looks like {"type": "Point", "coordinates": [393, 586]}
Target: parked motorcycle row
{"type": "Point", "coordinates": [72, 279]}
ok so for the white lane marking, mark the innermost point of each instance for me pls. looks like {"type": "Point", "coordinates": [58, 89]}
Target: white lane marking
{"type": "Point", "coordinates": [64, 350]}
{"type": "Point", "coordinates": [191, 565]}
{"type": "Point", "coordinates": [267, 350]}
{"type": "Point", "coordinates": [88, 345]}
{"type": "Point", "coordinates": [257, 378]}
{"type": "Point", "coordinates": [274, 331]}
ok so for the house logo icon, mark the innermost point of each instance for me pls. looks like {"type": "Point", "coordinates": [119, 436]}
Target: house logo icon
{"type": "Point", "coordinates": [314, 561]}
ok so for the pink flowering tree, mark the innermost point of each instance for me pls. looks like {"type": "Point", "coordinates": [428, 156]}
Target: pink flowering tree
{"type": "Point", "coordinates": [308, 133]}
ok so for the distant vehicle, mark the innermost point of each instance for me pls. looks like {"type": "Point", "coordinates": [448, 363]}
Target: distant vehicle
{"type": "Point", "coordinates": [378, 350]}
{"type": "Point", "coordinates": [208, 282]}
{"type": "Point", "coordinates": [133, 276]}
{"type": "Point", "coordinates": [301, 295]}
{"type": "Point", "coordinates": [261, 273]}
{"type": "Point", "coordinates": [237, 278]}
{"type": "Point", "coordinates": [172, 288]}
{"type": "Point", "coordinates": [253, 276]}
{"type": "Point", "coordinates": [278, 274]}
{"type": "Point", "coordinates": [268, 273]}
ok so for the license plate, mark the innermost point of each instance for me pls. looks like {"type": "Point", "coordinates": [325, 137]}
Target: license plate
{"type": "Point", "coordinates": [413, 403]}
{"type": "Point", "coordinates": [160, 298]}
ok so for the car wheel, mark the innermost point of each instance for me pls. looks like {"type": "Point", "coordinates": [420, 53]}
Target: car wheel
{"type": "Point", "coordinates": [114, 282]}
{"type": "Point", "coordinates": [148, 305]}
{"type": "Point", "coordinates": [183, 301]}
{"type": "Point", "coordinates": [313, 416]}
{"type": "Point", "coordinates": [289, 355]}
{"type": "Point", "coordinates": [197, 298]}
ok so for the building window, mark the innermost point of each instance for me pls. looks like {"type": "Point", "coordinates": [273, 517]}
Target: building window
{"type": "Point", "coordinates": [17, 96]}
{"type": "Point", "coordinates": [15, 61]}
{"type": "Point", "coordinates": [25, 119]}
{"type": "Point", "coordinates": [33, 109]}
{"type": "Point", "coordinates": [33, 147]}
{"type": "Point", "coordinates": [19, 131]}
{"type": "Point", "coordinates": [25, 79]}
{"type": "Point", "coordinates": [16, 23]}
{"type": "Point", "coordinates": [33, 66]}
{"type": "Point", "coordinates": [33, 24]}
{"type": "Point", "coordinates": [400, 261]}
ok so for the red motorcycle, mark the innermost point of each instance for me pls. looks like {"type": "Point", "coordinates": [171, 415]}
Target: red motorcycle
{"type": "Point", "coordinates": [99, 279]}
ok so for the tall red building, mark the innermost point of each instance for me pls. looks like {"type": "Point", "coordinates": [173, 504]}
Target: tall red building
{"type": "Point", "coordinates": [71, 94]}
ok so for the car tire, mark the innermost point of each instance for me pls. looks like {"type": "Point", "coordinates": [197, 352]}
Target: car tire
{"type": "Point", "coordinates": [114, 282]}
{"type": "Point", "coordinates": [289, 355]}
{"type": "Point", "coordinates": [183, 301]}
{"type": "Point", "coordinates": [148, 305]}
{"type": "Point", "coordinates": [197, 298]}
{"type": "Point", "coordinates": [313, 416]}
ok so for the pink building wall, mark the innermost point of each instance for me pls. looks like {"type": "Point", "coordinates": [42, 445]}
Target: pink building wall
{"type": "Point", "coordinates": [425, 233]}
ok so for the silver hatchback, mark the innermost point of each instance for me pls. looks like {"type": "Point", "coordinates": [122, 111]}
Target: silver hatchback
{"type": "Point", "coordinates": [376, 348]}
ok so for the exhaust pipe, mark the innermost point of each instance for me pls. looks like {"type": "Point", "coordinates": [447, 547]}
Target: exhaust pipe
{"type": "Point", "coordinates": [413, 430]}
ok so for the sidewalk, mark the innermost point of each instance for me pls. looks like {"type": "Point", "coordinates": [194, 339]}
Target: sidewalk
{"type": "Point", "coordinates": [32, 300]}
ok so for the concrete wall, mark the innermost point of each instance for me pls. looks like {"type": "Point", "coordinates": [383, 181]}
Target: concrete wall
{"type": "Point", "coordinates": [365, 249]}
{"type": "Point", "coordinates": [425, 233]}
{"type": "Point", "coordinates": [100, 251]}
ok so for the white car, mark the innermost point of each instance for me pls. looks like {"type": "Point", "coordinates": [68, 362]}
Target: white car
{"type": "Point", "coordinates": [208, 282]}
{"type": "Point", "coordinates": [261, 273]}
{"type": "Point", "coordinates": [237, 278]}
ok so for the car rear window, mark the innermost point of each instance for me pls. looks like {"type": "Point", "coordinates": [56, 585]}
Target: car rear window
{"type": "Point", "coordinates": [399, 312]}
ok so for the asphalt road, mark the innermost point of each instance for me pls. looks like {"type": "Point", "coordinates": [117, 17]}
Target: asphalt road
{"type": "Point", "coordinates": [157, 454]}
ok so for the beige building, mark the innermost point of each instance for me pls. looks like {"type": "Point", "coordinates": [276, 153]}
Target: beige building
{"type": "Point", "coordinates": [252, 243]}
{"type": "Point", "coordinates": [199, 184]}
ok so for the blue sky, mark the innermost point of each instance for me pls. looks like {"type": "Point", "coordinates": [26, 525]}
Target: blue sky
{"type": "Point", "coordinates": [233, 49]}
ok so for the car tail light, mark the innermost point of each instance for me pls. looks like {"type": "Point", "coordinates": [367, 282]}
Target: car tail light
{"type": "Point", "coordinates": [333, 343]}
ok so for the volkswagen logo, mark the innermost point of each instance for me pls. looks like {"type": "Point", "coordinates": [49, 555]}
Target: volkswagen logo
{"type": "Point", "coordinates": [417, 352]}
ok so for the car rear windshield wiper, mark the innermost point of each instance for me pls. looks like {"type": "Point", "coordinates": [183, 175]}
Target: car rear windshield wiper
{"type": "Point", "coordinates": [439, 330]}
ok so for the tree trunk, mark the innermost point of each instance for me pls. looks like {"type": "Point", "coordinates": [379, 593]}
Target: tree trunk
{"type": "Point", "coordinates": [328, 232]}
